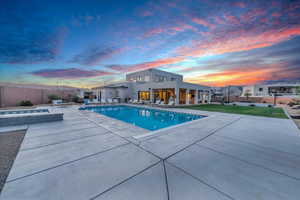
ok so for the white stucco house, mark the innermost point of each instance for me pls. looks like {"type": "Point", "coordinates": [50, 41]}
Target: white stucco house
{"type": "Point", "coordinates": [267, 90]}
{"type": "Point", "coordinates": [154, 85]}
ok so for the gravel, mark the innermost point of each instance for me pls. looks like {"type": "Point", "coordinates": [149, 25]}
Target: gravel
{"type": "Point", "coordinates": [9, 146]}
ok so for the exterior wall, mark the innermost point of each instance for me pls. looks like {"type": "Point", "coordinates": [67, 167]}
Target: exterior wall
{"type": "Point", "coordinates": [153, 75]}
{"type": "Point", "coordinates": [12, 96]}
{"type": "Point", "coordinates": [270, 100]}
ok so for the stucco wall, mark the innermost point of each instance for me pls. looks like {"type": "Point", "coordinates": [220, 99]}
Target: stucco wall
{"type": "Point", "coordinates": [12, 96]}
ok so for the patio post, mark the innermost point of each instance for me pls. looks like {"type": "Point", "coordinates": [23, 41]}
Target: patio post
{"type": "Point", "coordinates": [187, 100]}
{"type": "Point", "coordinates": [176, 96]}
{"type": "Point", "coordinates": [196, 97]}
{"type": "Point", "coordinates": [151, 95]}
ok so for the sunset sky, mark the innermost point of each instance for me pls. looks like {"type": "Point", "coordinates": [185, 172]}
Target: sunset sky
{"type": "Point", "coordinates": [93, 42]}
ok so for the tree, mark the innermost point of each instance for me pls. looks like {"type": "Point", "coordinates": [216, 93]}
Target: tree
{"type": "Point", "coordinates": [247, 94]}
{"type": "Point", "coordinates": [298, 90]}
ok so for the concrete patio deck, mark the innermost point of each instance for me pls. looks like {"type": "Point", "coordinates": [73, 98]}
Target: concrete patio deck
{"type": "Point", "coordinates": [222, 156]}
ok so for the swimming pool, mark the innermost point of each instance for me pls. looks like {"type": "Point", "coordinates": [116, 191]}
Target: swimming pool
{"type": "Point", "coordinates": [151, 119]}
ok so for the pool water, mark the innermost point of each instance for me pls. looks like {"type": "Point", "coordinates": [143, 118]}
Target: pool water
{"type": "Point", "coordinates": [151, 119]}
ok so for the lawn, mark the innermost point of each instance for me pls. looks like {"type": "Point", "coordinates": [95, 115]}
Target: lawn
{"type": "Point", "coordinates": [245, 110]}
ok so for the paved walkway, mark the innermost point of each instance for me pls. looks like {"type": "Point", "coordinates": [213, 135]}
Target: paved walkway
{"type": "Point", "coordinates": [222, 156]}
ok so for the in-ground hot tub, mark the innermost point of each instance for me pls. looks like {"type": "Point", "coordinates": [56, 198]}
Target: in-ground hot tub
{"type": "Point", "coordinates": [27, 116]}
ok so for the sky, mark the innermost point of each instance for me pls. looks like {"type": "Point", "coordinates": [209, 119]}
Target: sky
{"type": "Point", "coordinates": [94, 42]}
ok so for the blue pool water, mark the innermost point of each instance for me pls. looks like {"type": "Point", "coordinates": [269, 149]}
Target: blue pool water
{"type": "Point", "coordinates": [150, 119]}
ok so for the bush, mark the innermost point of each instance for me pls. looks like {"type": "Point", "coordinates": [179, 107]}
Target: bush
{"type": "Point", "coordinates": [76, 99]}
{"type": "Point", "coordinates": [291, 104]}
{"type": "Point", "coordinates": [25, 103]}
{"type": "Point", "coordinates": [53, 97]}
{"type": "Point", "coordinates": [252, 105]}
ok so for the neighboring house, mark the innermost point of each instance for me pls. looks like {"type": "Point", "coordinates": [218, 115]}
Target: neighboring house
{"type": "Point", "coordinates": [155, 85]}
{"type": "Point", "coordinates": [281, 89]}
{"type": "Point", "coordinates": [228, 90]}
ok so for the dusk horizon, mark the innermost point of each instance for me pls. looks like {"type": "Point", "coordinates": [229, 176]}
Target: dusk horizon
{"type": "Point", "coordinates": [88, 44]}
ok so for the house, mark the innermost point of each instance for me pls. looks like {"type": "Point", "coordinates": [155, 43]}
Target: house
{"type": "Point", "coordinates": [154, 85]}
{"type": "Point", "coordinates": [281, 89]}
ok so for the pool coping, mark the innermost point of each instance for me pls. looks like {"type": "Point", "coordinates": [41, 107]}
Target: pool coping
{"type": "Point", "coordinates": [150, 134]}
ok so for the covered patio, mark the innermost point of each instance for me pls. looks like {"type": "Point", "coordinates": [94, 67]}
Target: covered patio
{"type": "Point", "coordinates": [179, 96]}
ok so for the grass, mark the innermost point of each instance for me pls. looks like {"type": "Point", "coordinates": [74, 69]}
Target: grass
{"type": "Point", "coordinates": [244, 110]}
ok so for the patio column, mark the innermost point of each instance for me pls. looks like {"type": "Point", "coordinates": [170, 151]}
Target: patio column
{"type": "Point", "coordinates": [203, 97]}
{"type": "Point", "coordinates": [151, 95]}
{"type": "Point", "coordinates": [196, 97]}
{"type": "Point", "coordinates": [209, 97]}
{"type": "Point", "coordinates": [177, 96]}
{"type": "Point", "coordinates": [187, 100]}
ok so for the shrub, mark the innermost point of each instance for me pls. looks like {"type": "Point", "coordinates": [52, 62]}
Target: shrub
{"type": "Point", "coordinates": [76, 99]}
{"type": "Point", "coordinates": [291, 104]}
{"type": "Point", "coordinates": [25, 103]}
{"type": "Point", "coordinates": [252, 105]}
{"type": "Point", "coordinates": [52, 97]}
{"type": "Point", "coordinates": [270, 106]}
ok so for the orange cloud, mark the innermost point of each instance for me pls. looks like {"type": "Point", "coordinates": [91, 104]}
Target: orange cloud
{"type": "Point", "coordinates": [232, 78]}
{"type": "Point", "coordinates": [146, 65]}
{"type": "Point", "coordinates": [245, 76]}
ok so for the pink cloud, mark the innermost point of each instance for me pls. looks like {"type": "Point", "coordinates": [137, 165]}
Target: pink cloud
{"type": "Point", "coordinates": [252, 14]}
{"type": "Point", "coordinates": [219, 20]}
{"type": "Point", "coordinates": [154, 31]}
{"type": "Point", "coordinates": [231, 19]}
{"type": "Point", "coordinates": [146, 13]}
{"type": "Point", "coordinates": [146, 65]}
{"type": "Point", "coordinates": [240, 4]}
{"type": "Point", "coordinates": [276, 14]}
{"type": "Point", "coordinates": [203, 22]}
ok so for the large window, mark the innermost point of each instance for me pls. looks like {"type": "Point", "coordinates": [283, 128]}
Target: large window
{"type": "Point", "coordinates": [165, 95]}
{"type": "Point", "coordinates": [144, 95]}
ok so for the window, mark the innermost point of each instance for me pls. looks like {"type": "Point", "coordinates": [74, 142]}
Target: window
{"type": "Point", "coordinates": [260, 89]}
{"type": "Point", "coordinates": [144, 95]}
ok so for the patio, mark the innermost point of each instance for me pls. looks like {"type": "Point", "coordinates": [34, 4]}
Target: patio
{"type": "Point", "coordinates": [222, 156]}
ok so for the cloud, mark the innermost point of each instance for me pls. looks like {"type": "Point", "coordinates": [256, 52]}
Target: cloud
{"type": "Point", "coordinates": [152, 32]}
{"type": "Point", "coordinates": [69, 73]}
{"type": "Point", "coordinates": [94, 55]}
{"type": "Point", "coordinates": [252, 14]}
{"type": "Point", "coordinates": [249, 75]}
{"type": "Point", "coordinates": [203, 22]}
{"type": "Point", "coordinates": [21, 44]}
{"type": "Point", "coordinates": [27, 36]}
{"type": "Point", "coordinates": [145, 65]}
{"type": "Point", "coordinates": [237, 41]}
{"type": "Point", "coordinates": [146, 13]}
{"type": "Point", "coordinates": [239, 4]}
